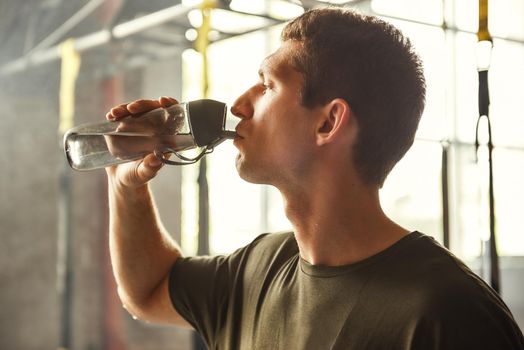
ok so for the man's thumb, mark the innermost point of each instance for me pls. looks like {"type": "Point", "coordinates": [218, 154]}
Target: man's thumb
{"type": "Point", "coordinates": [148, 168]}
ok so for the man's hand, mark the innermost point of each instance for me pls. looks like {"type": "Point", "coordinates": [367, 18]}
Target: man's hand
{"type": "Point", "coordinates": [138, 173]}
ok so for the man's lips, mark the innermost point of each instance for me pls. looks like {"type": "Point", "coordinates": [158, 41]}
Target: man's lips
{"type": "Point", "coordinates": [239, 131]}
{"type": "Point", "coordinates": [239, 136]}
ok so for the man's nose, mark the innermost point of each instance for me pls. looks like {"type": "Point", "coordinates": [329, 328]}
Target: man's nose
{"type": "Point", "coordinates": [243, 107]}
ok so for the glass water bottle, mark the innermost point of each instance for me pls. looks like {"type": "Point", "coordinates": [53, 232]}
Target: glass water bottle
{"type": "Point", "coordinates": [192, 125]}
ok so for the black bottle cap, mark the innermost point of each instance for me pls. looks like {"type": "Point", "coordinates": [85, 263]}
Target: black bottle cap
{"type": "Point", "coordinates": [206, 119]}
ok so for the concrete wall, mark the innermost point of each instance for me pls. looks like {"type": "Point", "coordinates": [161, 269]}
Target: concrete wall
{"type": "Point", "coordinates": [29, 193]}
{"type": "Point", "coordinates": [31, 160]}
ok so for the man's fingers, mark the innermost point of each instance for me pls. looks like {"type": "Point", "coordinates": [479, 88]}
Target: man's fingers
{"type": "Point", "coordinates": [142, 106]}
{"type": "Point", "coordinates": [137, 173]}
{"type": "Point", "coordinates": [138, 107]}
{"type": "Point", "coordinates": [118, 112]}
{"type": "Point", "coordinates": [148, 168]}
{"type": "Point", "coordinates": [167, 101]}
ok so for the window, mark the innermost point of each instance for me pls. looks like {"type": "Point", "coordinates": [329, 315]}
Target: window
{"type": "Point", "coordinates": [412, 194]}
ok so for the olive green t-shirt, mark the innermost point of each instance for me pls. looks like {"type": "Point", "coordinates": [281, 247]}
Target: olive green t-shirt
{"type": "Point", "coordinates": [413, 295]}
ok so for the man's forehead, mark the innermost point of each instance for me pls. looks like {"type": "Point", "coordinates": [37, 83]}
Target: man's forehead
{"type": "Point", "coordinates": [280, 62]}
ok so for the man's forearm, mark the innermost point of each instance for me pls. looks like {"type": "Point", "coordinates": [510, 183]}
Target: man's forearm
{"type": "Point", "coordinates": [142, 253]}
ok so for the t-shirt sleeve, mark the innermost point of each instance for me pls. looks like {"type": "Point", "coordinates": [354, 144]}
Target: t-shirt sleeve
{"type": "Point", "coordinates": [205, 290]}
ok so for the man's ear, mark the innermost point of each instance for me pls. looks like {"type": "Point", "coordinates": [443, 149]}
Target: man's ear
{"type": "Point", "coordinates": [334, 121]}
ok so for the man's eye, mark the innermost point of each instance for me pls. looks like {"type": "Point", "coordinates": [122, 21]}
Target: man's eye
{"type": "Point", "coordinates": [263, 86]}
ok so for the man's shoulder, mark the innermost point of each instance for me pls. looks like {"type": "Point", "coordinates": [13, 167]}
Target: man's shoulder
{"type": "Point", "coordinates": [428, 264]}
{"type": "Point", "coordinates": [276, 239]}
{"type": "Point", "coordinates": [446, 272]}
{"type": "Point", "coordinates": [436, 295]}
{"type": "Point", "coordinates": [270, 251]}
{"type": "Point", "coordinates": [443, 283]}
{"type": "Point", "coordinates": [464, 308]}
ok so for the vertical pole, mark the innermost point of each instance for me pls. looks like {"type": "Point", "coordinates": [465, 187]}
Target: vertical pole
{"type": "Point", "coordinates": [203, 189]}
{"type": "Point", "coordinates": [65, 256]}
{"type": "Point", "coordinates": [445, 144]}
{"type": "Point", "coordinates": [201, 45]}
{"type": "Point", "coordinates": [70, 66]}
{"type": "Point", "coordinates": [203, 209]}
{"type": "Point", "coordinates": [445, 194]}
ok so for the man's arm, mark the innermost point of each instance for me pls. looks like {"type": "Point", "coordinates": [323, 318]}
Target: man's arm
{"type": "Point", "coordinates": [142, 252]}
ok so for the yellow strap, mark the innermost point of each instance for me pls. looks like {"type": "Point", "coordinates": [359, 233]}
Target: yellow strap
{"type": "Point", "coordinates": [68, 74]}
{"type": "Point", "coordinates": [483, 31]}
{"type": "Point", "coordinates": [202, 41]}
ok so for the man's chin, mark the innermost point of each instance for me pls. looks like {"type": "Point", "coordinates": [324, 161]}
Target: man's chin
{"type": "Point", "coordinates": [248, 172]}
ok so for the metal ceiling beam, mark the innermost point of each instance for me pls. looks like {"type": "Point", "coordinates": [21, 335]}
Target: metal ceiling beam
{"type": "Point", "coordinates": [120, 31]}
{"type": "Point", "coordinates": [99, 38]}
{"type": "Point", "coordinates": [72, 22]}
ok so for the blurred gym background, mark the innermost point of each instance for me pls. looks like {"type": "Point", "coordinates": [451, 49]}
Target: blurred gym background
{"type": "Point", "coordinates": [63, 63]}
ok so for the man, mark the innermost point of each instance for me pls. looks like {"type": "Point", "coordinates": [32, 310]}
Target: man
{"type": "Point", "coordinates": [336, 106]}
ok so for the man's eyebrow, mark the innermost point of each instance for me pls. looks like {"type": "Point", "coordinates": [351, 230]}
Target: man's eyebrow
{"type": "Point", "coordinates": [268, 73]}
{"type": "Point", "coordinates": [266, 69]}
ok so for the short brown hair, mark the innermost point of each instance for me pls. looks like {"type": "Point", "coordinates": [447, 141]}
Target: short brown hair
{"type": "Point", "coordinates": [371, 65]}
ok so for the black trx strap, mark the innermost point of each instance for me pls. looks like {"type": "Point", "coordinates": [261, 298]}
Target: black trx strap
{"type": "Point", "coordinates": [485, 45]}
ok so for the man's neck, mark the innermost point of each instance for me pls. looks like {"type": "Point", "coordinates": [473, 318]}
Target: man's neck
{"type": "Point", "coordinates": [339, 223]}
